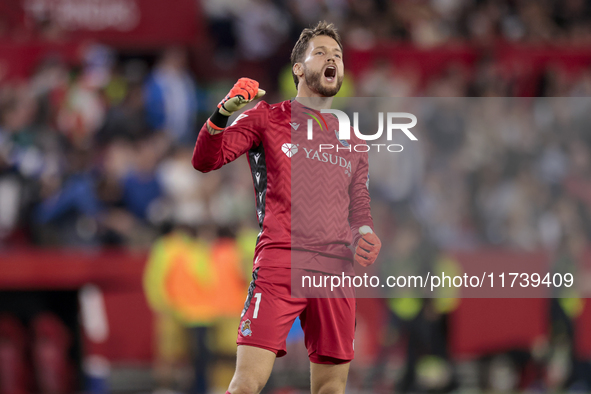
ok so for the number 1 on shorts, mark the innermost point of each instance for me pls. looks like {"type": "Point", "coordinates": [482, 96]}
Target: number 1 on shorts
{"type": "Point", "coordinates": [256, 305]}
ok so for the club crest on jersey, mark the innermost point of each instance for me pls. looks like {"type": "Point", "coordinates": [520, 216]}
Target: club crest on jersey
{"type": "Point", "coordinates": [343, 142]}
{"type": "Point", "coordinates": [245, 328]}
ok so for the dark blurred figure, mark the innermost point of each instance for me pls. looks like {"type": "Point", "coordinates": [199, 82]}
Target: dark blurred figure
{"type": "Point", "coordinates": [564, 369]}
{"type": "Point", "coordinates": [68, 211]}
{"type": "Point", "coordinates": [142, 186]}
{"type": "Point", "coordinates": [126, 120]}
{"type": "Point", "coordinates": [171, 98]}
{"type": "Point", "coordinates": [417, 324]}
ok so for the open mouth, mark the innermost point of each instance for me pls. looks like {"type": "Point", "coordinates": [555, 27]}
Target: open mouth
{"type": "Point", "coordinates": [330, 73]}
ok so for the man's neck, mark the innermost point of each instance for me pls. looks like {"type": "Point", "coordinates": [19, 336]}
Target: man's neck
{"type": "Point", "coordinates": [312, 100]}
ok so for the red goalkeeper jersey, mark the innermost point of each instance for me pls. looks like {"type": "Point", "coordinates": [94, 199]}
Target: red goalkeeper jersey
{"type": "Point", "coordinates": [311, 199]}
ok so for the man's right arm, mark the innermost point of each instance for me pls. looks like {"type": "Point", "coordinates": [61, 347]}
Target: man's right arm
{"type": "Point", "coordinates": [219, 144]}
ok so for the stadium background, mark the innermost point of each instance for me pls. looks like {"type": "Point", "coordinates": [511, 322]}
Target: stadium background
{"type": "Point", "coordinates": [100, 101]}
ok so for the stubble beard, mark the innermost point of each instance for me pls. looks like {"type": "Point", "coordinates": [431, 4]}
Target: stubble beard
{"type": "Point", "coordinates": [314, 82]}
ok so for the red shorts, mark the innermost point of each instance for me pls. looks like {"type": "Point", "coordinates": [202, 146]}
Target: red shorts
{"type": "Point", "coordinates": [269, 313]}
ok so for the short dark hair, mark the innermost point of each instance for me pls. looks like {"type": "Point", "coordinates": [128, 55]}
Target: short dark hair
{"type": "Point", "coordinates": [323, 28]}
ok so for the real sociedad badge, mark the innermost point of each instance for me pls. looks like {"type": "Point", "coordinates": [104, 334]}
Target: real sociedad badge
{"type": "Point", "coordinates": [245, 328]}
{"type": "Point", "coordinates": [343, 142]}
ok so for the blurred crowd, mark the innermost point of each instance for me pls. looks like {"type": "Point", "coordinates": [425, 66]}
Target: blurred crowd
{"type": "Point", "coordinates": [487, 174]}
{"type": "Point", "coordinates": [257, 27]}
{"type": "Point", "coordinates": [99, 154]}
{"type": "Point", "coordinates": [511, 172]}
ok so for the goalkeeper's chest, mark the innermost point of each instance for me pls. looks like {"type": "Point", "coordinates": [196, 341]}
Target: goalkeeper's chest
{"type": "Point", "coordinates": [316, 155]}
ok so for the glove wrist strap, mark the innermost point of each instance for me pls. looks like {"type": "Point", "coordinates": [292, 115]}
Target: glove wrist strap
{"type": "Point", "coordinates": [219, 120]}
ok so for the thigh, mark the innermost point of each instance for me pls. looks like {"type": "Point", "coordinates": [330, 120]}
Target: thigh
{"type": "Point", "coordinates": [269, 310]}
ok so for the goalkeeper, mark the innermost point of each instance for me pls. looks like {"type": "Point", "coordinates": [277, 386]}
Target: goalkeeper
{"type": "Point", "coordinates": [325, 234]}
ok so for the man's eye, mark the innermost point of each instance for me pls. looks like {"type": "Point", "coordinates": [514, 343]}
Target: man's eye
{"type": "Point", "coordinates": [319, 53]}
{"type": "Point", "coordinates": [339, 56]}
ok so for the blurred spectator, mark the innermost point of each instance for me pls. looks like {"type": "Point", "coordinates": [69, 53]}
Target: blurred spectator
{"type": "Point", "coordinates": [184, 189]}
{"type": "Point", "coordinates": [384, 79]}
{"type": "Point", "coordinates": [83, 109]}
{"type": "Point", "coordinates": [68, 212]}
{"type": "Point", "coordinates": [220, 17]}
{"type": "Point", "coordinates": [171, 98]}
{"type": "Point", "coordinates": [125, 120]}
{"type": "Point", "coordinates": [416, 324]}
{"type": "Point", "coordinates": [191, 282]}
{"type": "Point", "coordinates": [141, 186]}
{"type": "Point", "coordinates": [260, 29]}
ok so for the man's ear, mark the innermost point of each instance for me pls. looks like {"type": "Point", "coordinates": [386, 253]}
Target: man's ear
{"type": "Point", "coordinates": [298, 69]}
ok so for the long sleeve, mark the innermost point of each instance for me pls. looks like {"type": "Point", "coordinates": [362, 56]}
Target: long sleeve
{"type": "Point", "coordinates": [213, 151]}
{"type": "Point", "coordinates": [359, 209]}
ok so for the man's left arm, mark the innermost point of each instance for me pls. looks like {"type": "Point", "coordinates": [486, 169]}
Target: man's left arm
{"type": "Point", "coordinates": [367, 244]}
